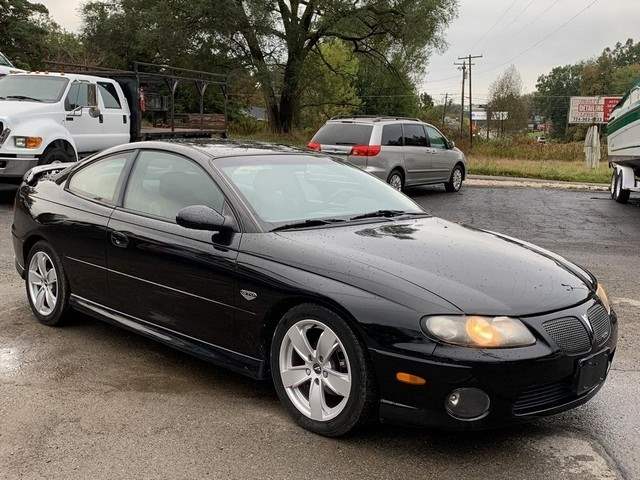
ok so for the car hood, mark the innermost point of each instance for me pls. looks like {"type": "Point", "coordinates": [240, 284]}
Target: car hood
{"type": "Point", "coordinates": [18, 109]}
{"type": "Point", "coordinates": [477, 271]}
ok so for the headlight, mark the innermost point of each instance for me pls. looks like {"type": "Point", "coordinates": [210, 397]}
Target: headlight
{"type": "Point", "coordinates": [476, 331]}
{"type": "Point", "coordinates": [28, 142]}
{"type": "Point", "coordinates": [604, 298]}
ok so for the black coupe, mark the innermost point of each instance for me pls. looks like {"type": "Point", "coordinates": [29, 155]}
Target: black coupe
{"type": "Point", "coordinates": [290, 265]}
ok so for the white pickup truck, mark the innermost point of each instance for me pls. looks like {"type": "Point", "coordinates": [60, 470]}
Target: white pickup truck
{"type": "Point", "coordinates": [6, 67]}
{"type": "Point", "coordinates": [53, 117]}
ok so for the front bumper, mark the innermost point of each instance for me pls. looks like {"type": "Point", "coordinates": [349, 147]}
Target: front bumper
{"type": "Point", "coordinates": [522, 383]}
{"type": "Point", "coordinates": [16, 167]}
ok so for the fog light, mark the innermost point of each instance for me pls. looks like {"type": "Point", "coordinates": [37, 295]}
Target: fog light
{"type": "Point", "coordinates": [467, 404]}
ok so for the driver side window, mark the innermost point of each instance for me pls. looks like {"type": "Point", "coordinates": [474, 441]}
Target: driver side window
{"type": "Point", "coordinates": [81, 94]}
{"type": "Point", "coordinates": [436, 139]}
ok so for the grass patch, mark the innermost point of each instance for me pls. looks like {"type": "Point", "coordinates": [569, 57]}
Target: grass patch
{"type": "Point", "coordinates": [569, 171]}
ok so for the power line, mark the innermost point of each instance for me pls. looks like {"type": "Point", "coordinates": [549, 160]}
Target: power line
{"type": "Point", "coordinates": [543, 39]}
{"type": "Point", "coordinates": [508, 9]}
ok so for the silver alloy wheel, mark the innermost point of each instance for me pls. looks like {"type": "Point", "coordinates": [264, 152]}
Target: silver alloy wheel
{"type": "Point", "coordinates": [457, 179]}
{"type": "Point", "coordinates": [43, 283]}
{"type": "Point", "coordinates": [315, 370]}
{"type": "Point", "coordinates": [396, 181]}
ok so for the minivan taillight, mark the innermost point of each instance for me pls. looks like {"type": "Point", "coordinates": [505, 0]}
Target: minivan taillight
{"type": "Point", "coordinates": [314, 146]}
{"type": "Point", "coordinates": [365, 150]}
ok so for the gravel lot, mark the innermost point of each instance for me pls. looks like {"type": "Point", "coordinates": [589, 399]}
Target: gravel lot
{"type": "Point", "coordinates": [93, 401]}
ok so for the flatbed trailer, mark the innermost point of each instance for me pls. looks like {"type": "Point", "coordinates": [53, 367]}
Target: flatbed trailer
{"type": "Point", "coordinates": [147, 79]}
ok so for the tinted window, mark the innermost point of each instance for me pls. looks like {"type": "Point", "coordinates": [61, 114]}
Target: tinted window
{"type": "Point", "coordinates": [4, 62]}
{"type": "Point", "coordinates": [392, 135]}
{"type": "Point", "coordinates": [109, 95]}
{"type": "Point", "coordinates": [161, 184]}
{"type": "Point", "coordinates": [343, 134]}
{"type": "Point", "coordinates": [436, 140]}
{"type": "Point", "coordinates": [99, 180]}
{"type": "Point", "coordinates": [81, 94]}
{"type": "Point", "coordinates": [44, 89]}
{"type": "Point", "coordinates": [291, 188]}
{"type": "Point", "coordinates": [414, 135]}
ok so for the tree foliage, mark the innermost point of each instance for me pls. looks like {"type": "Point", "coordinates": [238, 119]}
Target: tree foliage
{"type": "Point", "coordinates": [24, 28]}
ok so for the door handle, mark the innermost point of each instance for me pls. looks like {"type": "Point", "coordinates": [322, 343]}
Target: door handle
{"type": "Point", "coordinates": [119, 239]}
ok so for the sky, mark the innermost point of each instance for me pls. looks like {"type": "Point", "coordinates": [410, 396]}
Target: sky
{"type": "Point", "coordinates": [534, 35]}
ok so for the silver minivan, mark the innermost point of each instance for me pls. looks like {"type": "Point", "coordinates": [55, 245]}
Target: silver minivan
{"type": "Point", "coordinates": [402, 151]}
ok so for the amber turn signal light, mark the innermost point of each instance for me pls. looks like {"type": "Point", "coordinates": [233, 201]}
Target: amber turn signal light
{"type": "Point", "coordinates": [410, 379]}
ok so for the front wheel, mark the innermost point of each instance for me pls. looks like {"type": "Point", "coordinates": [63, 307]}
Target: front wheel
{"type": "Point", "coordinates": [320, 371]}
{"type": "Point", "coordinates": [455, 181]}
{"type": "Point", "coordinates": [55, 154]}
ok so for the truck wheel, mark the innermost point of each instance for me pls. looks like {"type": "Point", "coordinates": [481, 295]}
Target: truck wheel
{"type": "Point", "coordinates": [55, 154]}
{"type": "Point", "coordinates": [618, 193]}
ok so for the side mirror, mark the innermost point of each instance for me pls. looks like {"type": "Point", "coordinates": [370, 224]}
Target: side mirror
{"type": "Point", "coordinates": [201, 217]}
{"type": "Point", "coordinates": [452, 144]}
{"type": "Point", "coordinates": [94, 112]}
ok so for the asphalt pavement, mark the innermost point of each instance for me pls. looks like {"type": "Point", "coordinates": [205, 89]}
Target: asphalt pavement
{"type": "Point", "coordinates": [93, 401]}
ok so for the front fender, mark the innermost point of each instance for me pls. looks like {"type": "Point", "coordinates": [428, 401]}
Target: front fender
{"type": "Point", "coordinates": [47, 128]}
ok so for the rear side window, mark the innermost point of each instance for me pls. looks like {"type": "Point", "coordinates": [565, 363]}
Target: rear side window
{"type": "Point", "coordinates": [343, 134]}
{"type": "Point", "coordinates": [414, 135]}
{"type": "Point", "coordinates": [161, 184]}
{"type": "Point", "coordinates": [436, 140]}
{"type": "Point", "coordinates": [109, 95]}
{"type": "Point", "coordinates": [392, 135]}
{"type": "Point", "coordinates": [99, 180]}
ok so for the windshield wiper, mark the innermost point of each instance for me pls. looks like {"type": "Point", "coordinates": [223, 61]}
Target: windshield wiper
{"type": "Point", "coordinates": [23, 97]}
{"type": "Point", "coordinates": [312, 222]}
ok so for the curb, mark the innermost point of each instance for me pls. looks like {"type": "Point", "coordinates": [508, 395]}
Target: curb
{"type": "Point", "coordinates": [490, 181]}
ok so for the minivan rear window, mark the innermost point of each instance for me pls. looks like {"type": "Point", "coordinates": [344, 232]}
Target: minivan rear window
{"type": "Point", "coordinates": [343, 134]}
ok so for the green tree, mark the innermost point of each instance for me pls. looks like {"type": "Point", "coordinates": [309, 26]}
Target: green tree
{"type": "Point", "coordinates": [24, 26]}
{"type": "Point", "coordinates": [553, 90]}
{"type": "Point", "coordinates": [329, 89]}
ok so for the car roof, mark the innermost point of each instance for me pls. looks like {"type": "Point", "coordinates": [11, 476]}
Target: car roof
{"type": "Point", "coordinates": [212, 148]}
{"type": "Point", "coordinates": [373, 119]}
{"type": "Point", "coordinates": [70, 76]}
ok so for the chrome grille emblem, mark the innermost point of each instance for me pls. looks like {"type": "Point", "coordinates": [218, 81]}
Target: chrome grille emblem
{"type": "Point", "coordinates": [248, 295]}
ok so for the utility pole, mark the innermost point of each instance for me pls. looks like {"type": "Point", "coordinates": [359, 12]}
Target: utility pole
{"type": "Point", "coordinates": [470, 57]}
{"type": "Point", "coordinates": [464, 76]}
{"type": "Point", "coordinates": [444, 109]}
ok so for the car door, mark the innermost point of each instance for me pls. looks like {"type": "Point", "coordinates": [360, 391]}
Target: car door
{"type": "Point", "coordinates": [79, 229]}
{"type": "Point", "coordinates": [417, 154]}
{"type": "Point", "coordinates": [115, 113]}
{"type": "Point", "coordinates": [164, 274]}
{"type": "Point", "coordinates": [79, 120]}
{"type": "Point", "coordinates": [443, 158]}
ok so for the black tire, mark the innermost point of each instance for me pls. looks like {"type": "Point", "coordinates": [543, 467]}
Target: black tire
{"type": "Point", "coordinates": [396, 180]}
{"type": "Point", "coordinates": [60, 312]}
{"type": "Point", "coordinates": [618, 193]}
{"type": "Point", "coordinates": [453, 185]}
{"type": "Point", "coordinates": [55, 153]}
{"type": "Point", "coordinates": [361, 404]}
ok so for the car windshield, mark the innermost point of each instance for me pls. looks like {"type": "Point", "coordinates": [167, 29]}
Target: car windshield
{"type": "Point", "coordinates": [32, 88]}
{"type": "Point", "coordinates": [290, 189]}
{"type": "Point", "coordinates": [4, 62]}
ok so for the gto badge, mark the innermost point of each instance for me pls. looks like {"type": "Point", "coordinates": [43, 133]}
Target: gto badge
{"type": "Point", "coordinates": [248, 295]}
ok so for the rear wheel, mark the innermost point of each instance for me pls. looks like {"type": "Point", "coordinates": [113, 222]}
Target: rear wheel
{"type": "Point", "coordinates": [396, 180]}
{"type": "Point", "coordinates": [46, 283]}
{"type": "Point", "coordinates": [455, 181]}
{"type": "Point", "coordinates": [320, 371]}
{"type": "Point", "coordinates": [618, 193]}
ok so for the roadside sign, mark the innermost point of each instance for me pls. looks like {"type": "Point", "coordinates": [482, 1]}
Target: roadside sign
{"type": "Point", "coordinates": [591, 109]}
{"type": "Point", "coordinates": [481, 116]}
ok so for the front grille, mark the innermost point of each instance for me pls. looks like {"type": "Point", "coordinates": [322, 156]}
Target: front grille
{"type": "Point", "coordinates": [569, 333]}
{"type": "Point", "coordinates": [542, 397]}
{"type": "Point", "coordinates": [600, 322]}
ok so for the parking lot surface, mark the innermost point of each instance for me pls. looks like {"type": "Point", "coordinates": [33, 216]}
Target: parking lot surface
{"type": "Point", "coordinates": [93, 401]}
